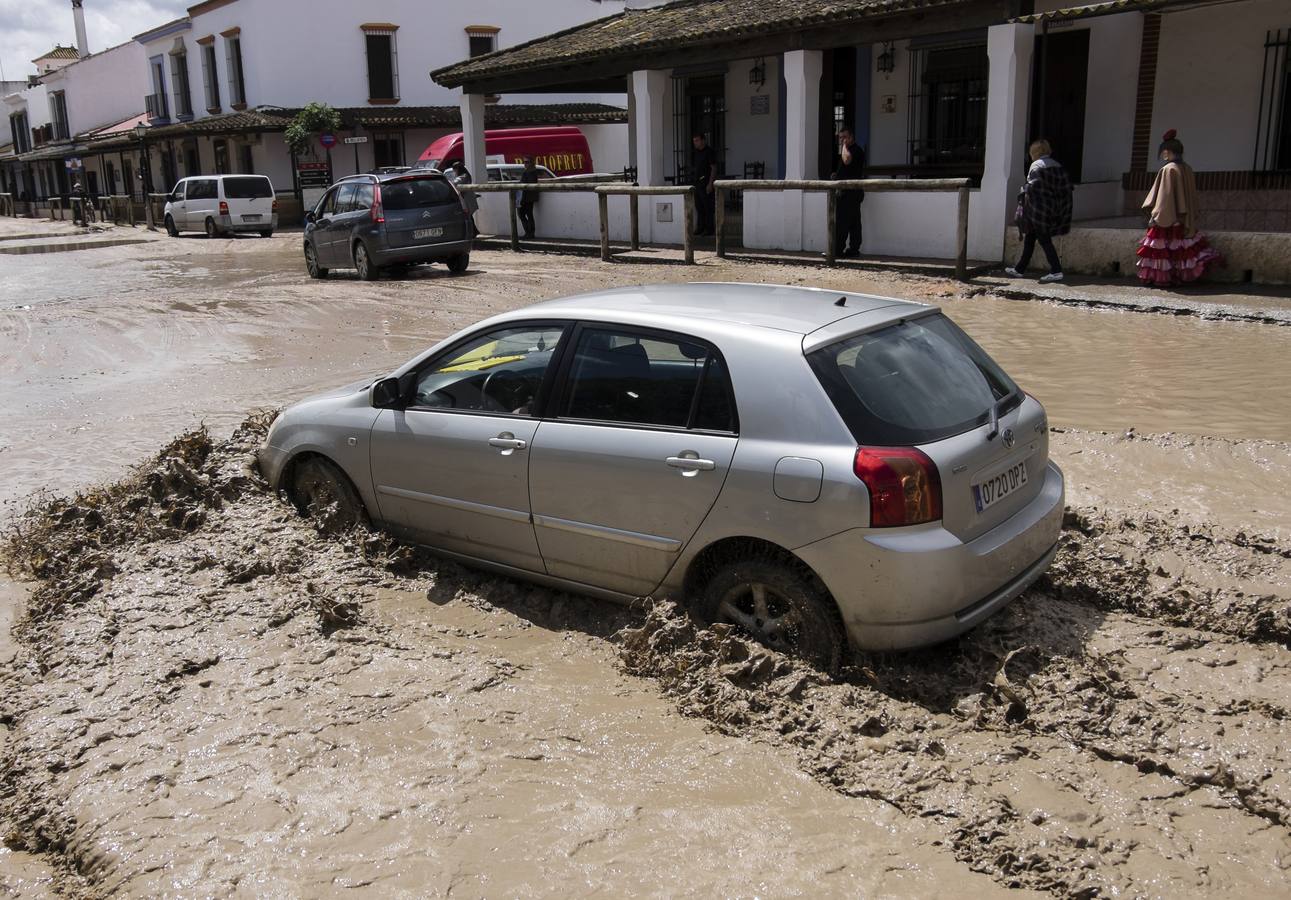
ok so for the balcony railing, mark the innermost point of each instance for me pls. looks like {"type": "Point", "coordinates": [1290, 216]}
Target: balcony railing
{"type": "Point", "coordinates": [155, 106]}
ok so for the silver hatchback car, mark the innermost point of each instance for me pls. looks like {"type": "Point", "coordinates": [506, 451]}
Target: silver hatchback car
{"type": "Point", "coordinates": [816, 468]}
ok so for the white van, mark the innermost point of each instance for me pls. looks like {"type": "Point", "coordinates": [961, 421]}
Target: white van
{"type": "Point", "coordinates": [222, 204]}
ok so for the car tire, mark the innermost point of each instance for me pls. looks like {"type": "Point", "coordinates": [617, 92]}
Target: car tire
{"type": "Point", "coordinates": [311, 263]}
{"type": "Point", "coordinates": [779, 605]}
{"type": "Point", "coordinates": [322, 492]}
{"type": "Point", "coordinates": [363, 264]}
{"type": "Point", "coordinates": [267, 233]}
{"type": "Point", "coordinates": [170, 227]}
{"type": "Point", "coordinates": [212, 230]}
{"type": "Point", "coordinates": [458, 264]}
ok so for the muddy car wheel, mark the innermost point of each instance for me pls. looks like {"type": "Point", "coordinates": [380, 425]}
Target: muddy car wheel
{"type": "Point", "coordinates": [780, 607]}
{"type": "Point", "coordinates": [322, 492]}
{"type": "Point", "coordinates": [311, 263]}
{"type": "Point", "coordinates": [212, 230]}
{"type": "Point", "coordinates": [267, 233]}
{"type": "Point", "coordinates": [170, 227]}
{"type": "Point", "coordinates": [363, 264]}
{"type": "Point", "coordinates": [458, 264]}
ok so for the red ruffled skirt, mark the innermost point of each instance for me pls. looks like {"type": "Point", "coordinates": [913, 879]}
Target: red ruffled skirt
{"type": "Point", "coordinates": [1169, 256]}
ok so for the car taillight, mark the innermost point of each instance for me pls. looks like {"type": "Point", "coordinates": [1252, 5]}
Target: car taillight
{"type": "Point", "coordinates": [275, 204]}
{"type": "Point", "coordinates": [378, 211]}
{"type": "Point", "coordinates": [224, 208]}
{"type": "Point", "coordinates": [904, 485]}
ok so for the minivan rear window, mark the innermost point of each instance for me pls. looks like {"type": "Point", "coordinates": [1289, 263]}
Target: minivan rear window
{"type": "Point", "coordinates": [248, 188]}
{"type": "Point", "coordinates": [918, 381]}
{"type": "Point", "coordinates": [414, 193]}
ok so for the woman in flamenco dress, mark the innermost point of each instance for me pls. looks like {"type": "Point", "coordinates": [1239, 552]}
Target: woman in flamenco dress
{"type": "Point", "coordinates": [1173, 251]}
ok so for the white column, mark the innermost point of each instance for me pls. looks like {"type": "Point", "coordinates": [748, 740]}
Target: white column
{"type": "Point", "coordinates": [1008, 101]}
{"type": "Point", "coordinates": [649, 89]}
{"type": "Point", "coordinates": [473, 136]}
{"type": "Point", "coordinates": [802, 113]}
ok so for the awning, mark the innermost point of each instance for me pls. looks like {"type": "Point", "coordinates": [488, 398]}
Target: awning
{"type": "Point", "coordinates": [1112, 8]}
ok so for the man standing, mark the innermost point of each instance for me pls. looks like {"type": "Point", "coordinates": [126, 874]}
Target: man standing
{"type": "Point", "coordinates": [847, 225]}
{"type": "Point", "coordinates": [460, 175]}
{"type": "Point", "coordinates": [528, 198]}
{"type": "Point", "coordinates": [703, 166]}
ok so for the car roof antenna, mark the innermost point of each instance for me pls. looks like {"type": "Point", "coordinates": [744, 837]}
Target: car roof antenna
{"type": "Point", "coordinates": [841, 301]}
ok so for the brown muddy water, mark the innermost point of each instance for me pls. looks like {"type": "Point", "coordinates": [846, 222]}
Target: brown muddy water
{"type": "Point", "coordinates": [210, 697]}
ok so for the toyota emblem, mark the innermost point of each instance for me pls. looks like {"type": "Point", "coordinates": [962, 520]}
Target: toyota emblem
{"type": "Point", "coordinates": [1008, 438]}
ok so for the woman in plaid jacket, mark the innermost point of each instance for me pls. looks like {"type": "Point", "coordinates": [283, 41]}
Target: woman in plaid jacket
{"type": "Point", "coordinates": [1044, 211]}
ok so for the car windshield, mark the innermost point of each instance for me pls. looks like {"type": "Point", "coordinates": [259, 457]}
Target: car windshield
{"type": "Point", "coordinates": [914, 382]}
{"type": "Point", "coordinates": [426, 164]}
{"type": "Point", "coordinates": [248, 188]}
{"type": "Point", "coordinates": [414, 193]}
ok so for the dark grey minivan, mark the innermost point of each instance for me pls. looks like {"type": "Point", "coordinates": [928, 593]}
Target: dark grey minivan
{"type": "Point", "coordinates": [371, 222]}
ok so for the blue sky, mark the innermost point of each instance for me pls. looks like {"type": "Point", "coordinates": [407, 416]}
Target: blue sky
{"type": "Point", "coordinates": [30, 27]}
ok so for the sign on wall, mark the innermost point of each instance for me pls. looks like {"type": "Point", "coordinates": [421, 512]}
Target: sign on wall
{"type": "Point", "coordinates": [361, 139]}
{"type": "Point", "coordinates": [313, 175]}
{"type": "Point", "coordinates": [760, 105]}
{"type": "Point", "coordinates": [327, 140]}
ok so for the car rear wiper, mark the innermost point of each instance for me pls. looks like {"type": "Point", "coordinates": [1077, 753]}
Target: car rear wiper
{"type": "Point", "coordinates": [994, 413]}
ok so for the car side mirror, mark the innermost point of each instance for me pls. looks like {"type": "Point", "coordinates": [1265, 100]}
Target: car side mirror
{"type": "Point", "coordinates": [387, 394]}
{"type": "Point", "coordinates": [309, 216]}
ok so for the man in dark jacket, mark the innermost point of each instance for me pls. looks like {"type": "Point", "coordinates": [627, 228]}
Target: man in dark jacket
{"type": "Point", "coordinates": [703, 167]}
{"type": "Point", "coordinates": [847, 224]}
{"type": "Point", "coordinates": [528, 198]}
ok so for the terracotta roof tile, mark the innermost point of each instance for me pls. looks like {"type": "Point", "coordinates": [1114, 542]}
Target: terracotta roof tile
{"type": "Point", "coordinates": [60, 52]}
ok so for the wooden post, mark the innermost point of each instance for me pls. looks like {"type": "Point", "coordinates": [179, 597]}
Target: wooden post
{"type": "Point", "coordinates": [831, 230]}
{"type": "Point", "coordinates": [719, 197]}
{"type": "Point", "coordinates": [634, 204]}
{"type": "Point", "coordinates": [688, 240]}
{"type": "Point", "coordinates": [961, 237]}
{"type": "Point", "coordinates": [515, 230]}
{"type": "Point", "coordinates": [603, 207]}
{"type": "Point", "coordinates": [130, 207]}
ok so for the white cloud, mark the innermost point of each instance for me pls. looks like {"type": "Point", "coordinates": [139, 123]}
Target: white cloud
{"type": "Point", "coordinates": [30, 27]}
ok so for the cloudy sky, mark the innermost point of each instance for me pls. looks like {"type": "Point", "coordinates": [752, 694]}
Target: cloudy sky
{"type": "Point", "coordinates": [30, 27]}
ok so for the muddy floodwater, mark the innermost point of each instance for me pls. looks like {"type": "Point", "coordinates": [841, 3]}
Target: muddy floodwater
{"type": "Point", "coordinates": [207, 696]}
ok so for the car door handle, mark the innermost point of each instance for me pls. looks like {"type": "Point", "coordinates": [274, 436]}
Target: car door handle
{"type": "Point", "coordinates": [507, 441]}
{"type": "Point", "coordinates": [691, 463]}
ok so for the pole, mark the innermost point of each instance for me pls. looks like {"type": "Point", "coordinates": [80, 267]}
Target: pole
{"type": "Point", "coordinates": [515, 229]}
{"type": "Point", "coordinates": [635, 209]}
{"type": "Point", "coordinates": [831, 227]}
{"type": "Point", "coordinates": [688, 238]}
{"type": "Point", "coordinates": [961, 237]}
{"type": "Point", "coordinates": [147, 184]}
{"type": "Point", "coordinates": [719, 197]}
{"type": "Point", "coordinates": [603, 207]}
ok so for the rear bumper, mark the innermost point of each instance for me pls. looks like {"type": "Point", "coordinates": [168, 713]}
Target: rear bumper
{"type": "Point", "coordinates": [384, 256]}
{"type": "Point", "coordinates": [235, 223]}
{"type": "Point", "coordinates": [909, 587]}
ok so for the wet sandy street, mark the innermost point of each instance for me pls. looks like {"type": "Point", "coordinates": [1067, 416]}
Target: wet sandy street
{"type": "Point", "coordinates": [204, 696]}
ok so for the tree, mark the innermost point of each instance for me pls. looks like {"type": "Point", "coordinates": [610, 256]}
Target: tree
{"type": "Point", "coordinates": [313, 120]}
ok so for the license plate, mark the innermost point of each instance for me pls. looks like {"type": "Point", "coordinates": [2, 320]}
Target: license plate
{"type": "Point", "coordinates": [991, 491]}
{"type": "Point", "coordinates": [251, 218]}
{"type": "Point", "coordinates": [427, 233]}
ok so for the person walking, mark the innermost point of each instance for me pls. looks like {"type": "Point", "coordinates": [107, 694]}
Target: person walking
{"type": "Point", "coordinates": [847, 223]}
{"type": "Point", "coordinates": [461, 175]}
{"type": "Point", "coordinates": [703, 168]}
{"type": "Point", "coordinates": [1044, 211]}
{"type": "Point", "coordinates": [1173, 251]}
{"type": "Point", "coordinates": [527, 199]}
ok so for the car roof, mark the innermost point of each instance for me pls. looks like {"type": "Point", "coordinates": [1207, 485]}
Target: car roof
{"type": "Point", "coordinates": [800, 310]}
{"type": "Point", "coordinates": [383, 177]}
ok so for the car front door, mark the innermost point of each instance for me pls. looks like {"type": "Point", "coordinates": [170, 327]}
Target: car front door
{"type": "Point", "coordinates": [451, 470]}
{"type": "Point", "coordinates": [178, 206]}
{"type": "Point", "coordinates": [201, 202]}
{"type": "Point", "coordinates": [326, 226]}
{"type": "Point", "coordinates": [633, 457]}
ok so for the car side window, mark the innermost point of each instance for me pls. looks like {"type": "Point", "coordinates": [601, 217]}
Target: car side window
{"type": "Point", "coordinates": [639, 378]}
{"type": "Point", "coordinates": [327, 206]}
{"type": "Point", "coordinates": [501, 371]}
{"type": "Point", "coordinates": [363, 195]}
{"type": "Point", "coordinates": [202, 189]}
{"type": "Point", "coordinates": [178, 192]}
{"type": "Point", "coordinates": [345, 198]}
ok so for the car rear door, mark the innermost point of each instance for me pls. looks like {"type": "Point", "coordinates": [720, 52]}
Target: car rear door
{"type": "Point", "coordinates": [250, 199]}
{"type": "Point", "coordinates": [422, 209]}
{"type": "Point", "coordinates": [452, 469]}
{"type": "Point", "coordinates": [202, 202]}
{"type": "Point", "coordinates": [633, 457]}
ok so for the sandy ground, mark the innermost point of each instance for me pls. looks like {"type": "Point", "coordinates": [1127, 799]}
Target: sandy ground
{"type": "Point", "coordinates": [208, 697]}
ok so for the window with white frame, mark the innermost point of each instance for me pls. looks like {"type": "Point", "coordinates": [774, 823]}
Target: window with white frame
{"type": "Point", "coordinates": [58, 112]}
{"type": "Point", "coordinates": [179, 80]}
{"type": "Point", "coordinates": [233, 62]}
{"type": "Point", "coordinates": [21, 134]}
{"type": "Point", "coordinates": [210, 74]}
{"type": "Point", "coordinates": [383, 61]}
{"type": "Point", "coordinates": [482, 39]}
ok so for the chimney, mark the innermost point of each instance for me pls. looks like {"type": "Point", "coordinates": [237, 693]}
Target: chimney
{"type": "Point", "coordinates": [82, 41]}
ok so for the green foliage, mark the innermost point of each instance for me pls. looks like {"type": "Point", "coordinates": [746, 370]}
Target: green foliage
{"type": "Point", "coordinates": [313, 120]}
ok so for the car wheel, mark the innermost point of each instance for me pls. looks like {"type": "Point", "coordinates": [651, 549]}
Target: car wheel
{"type": "Point", "coordinates": [778, 605]}
{"type": "Point", "coordinates": [268, 232]}
{"type": "Point", "coordinates": [170, 227]}
{"type": "Point", "coordinates": [367, 270]}
{"type": "Point", "coordinates": [457, 264]}
{"type": "Point", "coordinates": [212, 230]}
{"type": "Point", "coordinates": [322, 492]}
{"type": "Point", "coordinates": [311, 263]}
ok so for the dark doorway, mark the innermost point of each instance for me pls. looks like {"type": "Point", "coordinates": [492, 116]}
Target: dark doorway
{"type": "Point", "coordinates": [387, 149]}
{"type": "Point", "coordinates": [1061, 73]}
{"type": "Point", "coordinates": [192, 165]}
{"type": "Point", "coordinates": [837, 103]}
{"type": "Point", "coordinates": [128, 186]}
{"type": "Point", "coordinates": [221, 157]}
{"type": "Point", "coordinates": [703, 100]}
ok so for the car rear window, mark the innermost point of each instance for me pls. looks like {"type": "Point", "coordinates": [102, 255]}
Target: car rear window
{"type": "Point", "coordinates": [248, 188]}
{"type": "Point", "coordinates": [414, 193]}
{"type": "Point", "coordinates": [914, 382]}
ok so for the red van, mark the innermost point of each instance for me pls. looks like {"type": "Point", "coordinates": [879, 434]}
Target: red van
{"type": "Point", "coordinates": [563, 149]}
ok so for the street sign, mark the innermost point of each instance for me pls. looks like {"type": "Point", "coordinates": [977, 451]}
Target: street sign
{"type": "Point", "coordinates": [73, 163]}
{"type": "Point", "coordinates": [361, 139]}
{"type": "Point", "coordinates": [327, 140]}
{"type": "Point", "coordinates": [313, 175]}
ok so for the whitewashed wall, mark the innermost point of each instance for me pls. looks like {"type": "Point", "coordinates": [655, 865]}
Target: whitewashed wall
{"type": "Point", "coordinates": [888, 130]}
{"type": "Point", "coordinates": [751, 138]}
{"type": "Point", "coordinates": [609, 146]}
{"type": "Point", "coordinates": [106, 88]}
{"type": "Point", "coordinates": [575, 216]}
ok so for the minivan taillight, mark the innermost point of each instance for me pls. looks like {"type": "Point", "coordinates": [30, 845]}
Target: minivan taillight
{"type": "Point", "coordinates": [224, 208]}
{"type": "Point", "coordinates": [904, 485]}
{"type": "Point", "coordinates": [274, 208]}
{"type": "Point", "coordinates": [378, 211]}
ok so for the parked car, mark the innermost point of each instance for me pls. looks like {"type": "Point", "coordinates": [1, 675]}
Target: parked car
{"type": "Point", "coordinates": [562, 149]}
{"type": "Point", "coordinates": [816, 468]}
{"type": "Point", "coordinates": [371, 222]}
{"type": "Point", "coordinates": [511, 172]}
{"type": "Point", "coordinates": [222, 204]}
